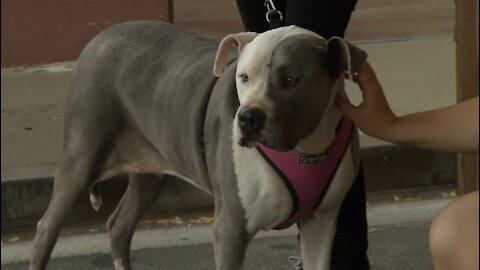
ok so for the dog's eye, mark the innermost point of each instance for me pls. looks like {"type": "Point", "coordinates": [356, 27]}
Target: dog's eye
{"type": "Point", "coordinates": [244, 77]}
{"type": "Point", "coordinates": [289, 81]}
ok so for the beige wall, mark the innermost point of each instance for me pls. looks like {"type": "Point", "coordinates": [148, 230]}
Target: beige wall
{"type": "Point", "coordinates": [47, 31]}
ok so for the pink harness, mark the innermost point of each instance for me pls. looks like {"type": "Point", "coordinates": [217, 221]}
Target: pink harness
{"type": "Point", "coordinates": [308, 176]}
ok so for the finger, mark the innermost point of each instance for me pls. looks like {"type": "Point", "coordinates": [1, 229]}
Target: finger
{"type": "Point", "coordinates": [349, 75]}
{"type": "Point", "coordinates": [367, 77]}
{"type": "Point", "coordinates": [355, 75]}
{"type": "Point", "coordinates": [363, 74]}
{"type": "Point", "coordinates": [369, 84]}
{"type": "Point", "coordinates": [343, 103]}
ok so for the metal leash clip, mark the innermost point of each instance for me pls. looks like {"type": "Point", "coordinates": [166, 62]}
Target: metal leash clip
{"type": "Point", "coordinates": [273, 15]}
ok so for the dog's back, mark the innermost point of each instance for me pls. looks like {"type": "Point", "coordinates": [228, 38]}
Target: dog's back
{"type": "Point", "coordinates": [137, 77]}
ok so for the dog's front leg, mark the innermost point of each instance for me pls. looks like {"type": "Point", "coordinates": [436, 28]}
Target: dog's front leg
{"type": "Point", "coordinates": [316, 240]}
{"type": "Point", "coordinates": [230, 237]}
{"type": "Point", "coordinates": [318, 231]}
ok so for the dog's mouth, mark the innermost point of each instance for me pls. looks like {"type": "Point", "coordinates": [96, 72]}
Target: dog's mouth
{"type": "Point", "coordinates": [267, 139]}
{"type": "Point", "coordinates": [251, 139]}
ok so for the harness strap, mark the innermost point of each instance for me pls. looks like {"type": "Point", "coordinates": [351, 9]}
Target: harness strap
{"type": "Point", "coordinates": [308, 177]}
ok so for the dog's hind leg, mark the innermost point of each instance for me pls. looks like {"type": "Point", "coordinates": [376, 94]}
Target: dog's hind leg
{"type": "Point", "coordinates": [74, 174]}
{"type": "Point", "coordinates": [142, 192]}
{"type": "Point", "coordinates": [92, 123]}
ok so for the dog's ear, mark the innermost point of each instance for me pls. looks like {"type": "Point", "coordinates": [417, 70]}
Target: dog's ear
{"type": "Point", "coordinates": [343, 56]}
{"type": "Point", "coordinates": [239, 40]}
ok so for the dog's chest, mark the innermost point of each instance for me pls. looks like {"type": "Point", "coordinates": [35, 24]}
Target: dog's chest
{"type": "Point", "coordinates": [271, 183]}
{"type": "Point", "coordinates": [264, 197]}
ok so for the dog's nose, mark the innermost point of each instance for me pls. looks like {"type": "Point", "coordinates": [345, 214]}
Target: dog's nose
{"type": "Point", "coordinates": [251, 120]}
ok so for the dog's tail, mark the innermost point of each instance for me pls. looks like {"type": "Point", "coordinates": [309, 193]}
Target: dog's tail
{"type": "Point", "coordinates": [96, 196]}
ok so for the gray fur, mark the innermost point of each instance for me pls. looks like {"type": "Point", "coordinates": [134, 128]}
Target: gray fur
{"type": "Point", "coordinates": [298, 108]}
{"type": "Point", "coordinates": [128, 112]}
{"type": "Point", "coordinates": [144, 101]}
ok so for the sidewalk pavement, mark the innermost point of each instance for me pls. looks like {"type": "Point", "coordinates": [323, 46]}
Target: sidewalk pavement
{"type": "Point", "coordinates": [396, 248]}
{"type": "Point", "coordinates": [397, 235]}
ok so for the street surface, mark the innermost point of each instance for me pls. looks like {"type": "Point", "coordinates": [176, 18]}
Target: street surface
{"type": "Point", "coordinates": [398, 239]}
{"type": "Point", "coordinates": [391, 248]}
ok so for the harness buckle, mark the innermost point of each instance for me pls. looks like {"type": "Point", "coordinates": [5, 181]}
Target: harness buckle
{"type": "Point", "coordinates": [273, 16]}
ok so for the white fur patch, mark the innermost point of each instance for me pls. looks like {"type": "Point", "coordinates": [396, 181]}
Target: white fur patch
{"type": "Point", "coordinates": [265, 198]}
{"type": "Point", "coordinates": [118, 264]}
{"type": "Point", "coordinates": [96, 201]}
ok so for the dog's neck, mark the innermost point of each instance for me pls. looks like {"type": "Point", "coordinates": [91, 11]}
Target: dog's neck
{"type": "Point", "coordinates": [323, 135]}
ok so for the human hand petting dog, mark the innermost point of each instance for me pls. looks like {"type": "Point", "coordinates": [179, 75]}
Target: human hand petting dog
{"type": "Point", "coordinates": [453, 128]}
{"type": "Point", "coordinates": [373, 116]}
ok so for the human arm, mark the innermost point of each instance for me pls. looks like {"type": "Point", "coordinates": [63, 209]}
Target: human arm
{"type": "Point", "coordinates": [453, 128]}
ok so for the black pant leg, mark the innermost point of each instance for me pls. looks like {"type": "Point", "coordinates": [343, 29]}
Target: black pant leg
{"type": "Point", "coordinates": [325, 17]}
{"type": "Point", "coordinates": [351, 243]}
{"type": "Point", "coordinates": [253, 14]}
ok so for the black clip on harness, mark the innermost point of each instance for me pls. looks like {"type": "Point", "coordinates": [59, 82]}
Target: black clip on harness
{"type": "Point", "coordinates": [274, 16]}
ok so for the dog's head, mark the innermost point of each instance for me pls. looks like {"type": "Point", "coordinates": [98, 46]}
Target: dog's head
{"type": "Point", "coordinates": [285, 78]}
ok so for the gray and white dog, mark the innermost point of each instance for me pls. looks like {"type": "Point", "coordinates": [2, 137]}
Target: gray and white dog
{"type": "Point", "coordinates": [144, 101]}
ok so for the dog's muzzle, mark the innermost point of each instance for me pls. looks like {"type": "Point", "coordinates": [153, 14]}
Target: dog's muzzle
{"type": "Point", "coordinates": [251, 122]}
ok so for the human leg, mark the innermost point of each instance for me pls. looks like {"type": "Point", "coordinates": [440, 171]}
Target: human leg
{"type": "Point", "coordinates": [351, 243]}
{"type": "Point", "coordinates": [454, 235]}
{"type": "Point", "coordinates": [326, 18]}
{"type": "Point", "coordinates": [253, 14]}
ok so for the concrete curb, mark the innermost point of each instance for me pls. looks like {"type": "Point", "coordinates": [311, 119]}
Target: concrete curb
{"type": "Point", "coordinates": [380, 217]}
{"type": "Point", "coordinates": [386, 167]}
